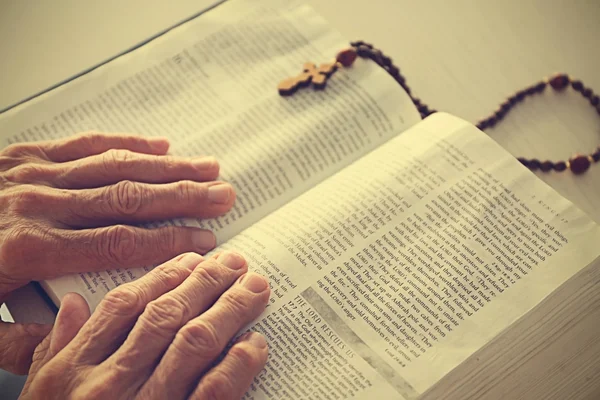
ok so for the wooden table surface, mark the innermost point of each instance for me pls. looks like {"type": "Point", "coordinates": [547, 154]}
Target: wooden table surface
{"type": "Point", "coordinates": [463, 57]}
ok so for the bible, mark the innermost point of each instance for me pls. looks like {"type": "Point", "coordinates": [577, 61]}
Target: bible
{"type": "Point", "coordinates": [395, 247]}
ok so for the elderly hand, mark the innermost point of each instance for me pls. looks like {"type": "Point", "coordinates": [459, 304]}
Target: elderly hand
{"type": "Point", "coordinates": [66, 206]}
{"type": "Point", "coordinates": [158, 337]}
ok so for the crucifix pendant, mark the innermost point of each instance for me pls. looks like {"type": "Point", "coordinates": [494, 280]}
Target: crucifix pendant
{"type": "Point", "coordinates": [318, 77]}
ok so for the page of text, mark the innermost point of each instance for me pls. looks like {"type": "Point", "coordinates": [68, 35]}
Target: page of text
{"type": "Point", "coordinates": [389, 274]}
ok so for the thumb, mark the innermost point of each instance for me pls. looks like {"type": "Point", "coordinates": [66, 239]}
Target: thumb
{"type": "Point", "coordinates": [72, 315]}
{"type": "Point", "coordinates": [17, 344]}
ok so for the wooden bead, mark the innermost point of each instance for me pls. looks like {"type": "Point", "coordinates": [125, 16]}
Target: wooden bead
{"type": "Point", "coordinates": [346, 57]}
{"type": "Point", "coordinates": [579, 164]}
{"type": "Point", "coordinates": [596, 155]}
{"type": "Point", "coordinates": [594, 100]}
{"type": "Point", "coordinates": [559, 82]}
{"type": "Point", "coordinates": [560, 166]}
{"type": "Point", "coordinates": [546, 166]}
{"type": "Point", "coordinates": [533, 164]}
{"type": "Point", "coordinates": [577, 86]}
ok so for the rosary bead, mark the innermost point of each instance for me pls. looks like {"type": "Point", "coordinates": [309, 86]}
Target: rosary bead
{"type": "Point", "coordinates": [539, 88]}
{"type": "Point", "coordinates": [595, 100]}
{"type": "Point", "coordinates": [559, 82]}
{"type": "Point", "coordinates": [520, 95]}
{"type": "Point", "coordinates": [587, 93]}
{"type": "Point", "coordinates": [596, 155]}
{"type": "Point", "coordinates": [579, 164]}
{"type": "Point", "coordinates": [577, 86]}
{"type": "Point", "coordinates": [560, 166]}
{"type": "Point", "coordinates": [523, 161]}
{"type": "Point", "coordinates": [346, 57]}
{"type": "Point", "coordinates": [546, 166]}
{"type": "Point", "coordinates": [533, 164]}
{"type": "Point", "coordinates": [530, 90]}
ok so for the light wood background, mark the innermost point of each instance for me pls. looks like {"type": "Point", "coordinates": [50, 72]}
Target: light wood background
{"type": "Point", "coordinates": [459, 56]}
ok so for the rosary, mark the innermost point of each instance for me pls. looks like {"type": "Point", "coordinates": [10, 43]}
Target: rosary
{"type": "Point", "coordinates": [317, 77]}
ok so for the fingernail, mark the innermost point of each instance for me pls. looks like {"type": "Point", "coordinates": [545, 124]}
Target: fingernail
{"type": "Point", "coordinates": [159, 143]}
{"type": "Point", "coordinates": [231, 260]}
{"type": "Point", "coordinates": [220, 193]}
{"type": "Point", "coordinates": [191, 260]}
{"type": "Point", "coordinates": [254, 283]}
{"type": "Point", "coordinates": [206, 163]}
{"type": "Point", "coordinates": [255, 339]}
{"type": "Point", "coordinates": [204, 240]}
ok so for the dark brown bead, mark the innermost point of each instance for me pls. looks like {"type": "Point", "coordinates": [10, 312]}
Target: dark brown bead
{"type": "Point", "coordinates": [587, 93]}
{"type": "Point", "coordinates": [520, 95]}
{"type": "Point", "coordinates": [579, 164]}
{"type": "Point", "coordinates": [596, 155]}
{"type": "Point", "coordinates": [346, 57]}
{"type": "Point", "coordinates": [505, 106]}
{"type": "Point", "coordinates": [577, 85]}
{"type": "Point", "coordinates": [595, 100]}
{"type": "Point", "coordinates": [523, 161]}
{"type": "Point", "coordinates": [539, 88]}
{"type": "Point", "coordinates": [393, 70]}
{"type": "Point", "coordinates": [357, 43]}
{"type": "Point", "coordinates": [560, 166]}
{"type": "Point", "coordinates": [559, 82]}
{"type": "Point", "coordinates": [533, 164]}
{"type": "Point", "coordinates": [491, 121]}
{"type": "Point", "coordinates": [530, 90]}
{"type": "Point", "coordinates": [546, 166]}
{"type": "Point", "coordinates": [363, 51]}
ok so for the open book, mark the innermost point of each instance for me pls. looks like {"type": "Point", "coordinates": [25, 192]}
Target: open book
{"type": "Point", "coordinates": [395, 247]}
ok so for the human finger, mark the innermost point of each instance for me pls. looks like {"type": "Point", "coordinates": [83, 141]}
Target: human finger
{"type": "Point", "coordinates": [164, 317]}
{"type": "Point", "coordinates": [118, 165]}
{"type": "Point", "coordinates": [118, 311]}
{"type": "Point", "coordinates": [201, 340]}
{"type": "Point", "coordinates": [231, 377]}
{"type": "Point", "coordinates": [133, 202]}
{"type": "Point", "coordinates": [92, 143]}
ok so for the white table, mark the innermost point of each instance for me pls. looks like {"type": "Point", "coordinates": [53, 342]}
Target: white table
{"type": "Point", "coordinates": [460, 56]}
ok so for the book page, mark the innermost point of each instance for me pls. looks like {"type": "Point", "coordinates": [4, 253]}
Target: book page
{"type": "Point", "coordinates": [391, 273]}
{"type": "Point", "coordinates": [211, 87]}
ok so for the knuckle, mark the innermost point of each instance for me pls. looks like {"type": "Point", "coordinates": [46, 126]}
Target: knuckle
{"type": "Point", "coordinates": [90, 139]}
{"type": "Point", "coordinates": [210, 274]}
{"type": "Point", "coordinates": [117, 244]}
{"type": "Point", "coordinates": [199, 338]}
{"type": "Point", "coordinates": [217, 385]}
{"type": "Point", "coordinates": [16, 149]}
{"type": "Point", "coordinates": [165, 314]}
{"type": "Point", "coordinates": [116, 160]}
{"type": "Point", "coordinates": [170, 274]}
{"type": "Point", "coordinates": [124, 300]}
{"type": "Point", "coordinates": [26, 173]}
{"type": "Point", "coordinates": [186, 191]}
{"type": "Point", "coordinates": [28, 199]}
{"type": "Point", "coordinates": [250, 359]}
{"type": "Point", "coordinates": [125, 198]}
{"type": "Point", "coordinates": [237, 304]}
{"type": "Point", "coordinates": [15, 243]}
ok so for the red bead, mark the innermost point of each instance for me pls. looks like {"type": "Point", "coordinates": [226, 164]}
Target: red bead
{"type": "Point", "coordinates": [346, 57]}
{"type": "Point", "coordinates": [560, 166]}
{"type": "Point", "coordinates": [546, 166]}
{"type": "Point", "coordinates": [579, 164]}
{"type": "Point", "coordinates": [559, 82]}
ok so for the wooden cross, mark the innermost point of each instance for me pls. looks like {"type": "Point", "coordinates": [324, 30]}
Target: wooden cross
{"type": "Point", "coordinates": [310, 74]}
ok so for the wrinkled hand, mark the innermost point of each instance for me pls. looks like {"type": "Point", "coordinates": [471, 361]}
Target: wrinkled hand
{"type": "Point", "coordinates": [63, 205]}
{"type": "Point", "coordinates": [157, 337]}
